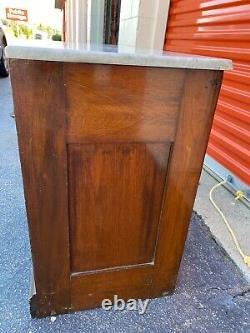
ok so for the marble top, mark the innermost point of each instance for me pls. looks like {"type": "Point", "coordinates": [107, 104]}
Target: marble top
{"type": "Point", "coordinates": [106, 54]}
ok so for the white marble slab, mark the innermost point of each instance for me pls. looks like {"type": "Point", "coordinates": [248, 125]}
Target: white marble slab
{"type": "Point", "coordinates": [104, 54]}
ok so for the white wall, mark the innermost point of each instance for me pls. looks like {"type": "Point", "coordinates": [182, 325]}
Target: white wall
{"type": "Point", "coordinates": [95, 21]}
{"type": "Point", "coordinates": [143, 23]}
{"type": "Point", "coordinates": [128, 22]}
{"type": "Point", "coordinates": [84, 21]}
{"type": "Point", "coordinates": [76, 21]}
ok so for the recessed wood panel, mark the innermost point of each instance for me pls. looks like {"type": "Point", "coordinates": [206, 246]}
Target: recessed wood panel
{"type": "Point", "coordinates": [107, 103]}
{"type": "Point", "coordinates": [116, 193]}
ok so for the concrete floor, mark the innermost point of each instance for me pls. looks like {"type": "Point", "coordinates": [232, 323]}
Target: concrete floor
{"type": "Point", "coordinates": [211, 295]}
{"type": "Point", "coordinates": [237, 214]}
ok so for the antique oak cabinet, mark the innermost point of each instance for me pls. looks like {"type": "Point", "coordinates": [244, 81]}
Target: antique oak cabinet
{"type": "Point", "coordinates": [111, 145]}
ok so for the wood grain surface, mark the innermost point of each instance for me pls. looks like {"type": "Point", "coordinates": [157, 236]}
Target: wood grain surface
{"type": "Point", "coordinates": [115, 203]}
{"type": "Point", "coordinates": [40, 117]}
{"type": "Point", "coordinates": [108, 103]}
{"type": "Point", "coordinates": [111, 157]}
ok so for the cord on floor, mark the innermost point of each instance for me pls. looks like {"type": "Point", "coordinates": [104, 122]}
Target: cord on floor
{"type": "Point", "coordinates": [245, 257]}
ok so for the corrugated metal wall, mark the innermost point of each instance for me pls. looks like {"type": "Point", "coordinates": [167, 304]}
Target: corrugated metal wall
{"type": "Point", "coordinates": [220, 28]}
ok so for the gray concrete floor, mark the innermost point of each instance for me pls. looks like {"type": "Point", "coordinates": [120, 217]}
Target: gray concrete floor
{"type": "Point", "coordinates": [211, 295]}
{"type": "Point", "coordinates": [237, 214]}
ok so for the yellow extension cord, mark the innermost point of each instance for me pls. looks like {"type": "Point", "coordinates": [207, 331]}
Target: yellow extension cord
{"type": "Point", "coordinates": [238, 195]}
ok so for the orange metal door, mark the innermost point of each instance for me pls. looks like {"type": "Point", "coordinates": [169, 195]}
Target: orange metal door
{"type": "Point", "coordinates": [220, 28]}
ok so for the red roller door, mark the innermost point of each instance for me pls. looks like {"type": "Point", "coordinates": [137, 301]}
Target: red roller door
{"type": "Point", "coordinates": [220, 28]}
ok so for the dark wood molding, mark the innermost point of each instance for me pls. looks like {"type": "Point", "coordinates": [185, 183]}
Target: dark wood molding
{"type": "Point", "coordinates": [111, 21]}
{"type": "Point", "coordinates": [60, 4]}
{"type": "Point", "coordinates": [39, 105]}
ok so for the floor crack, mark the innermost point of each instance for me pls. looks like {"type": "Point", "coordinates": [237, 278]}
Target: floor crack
{"type": "Point", "coordinates": [242, 292]}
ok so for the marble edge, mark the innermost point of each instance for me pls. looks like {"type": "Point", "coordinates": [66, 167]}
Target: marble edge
{"type": "Point", "coordinates": [100, 57]}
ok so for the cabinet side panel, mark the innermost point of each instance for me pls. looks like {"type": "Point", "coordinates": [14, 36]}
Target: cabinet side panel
{"type": "Point", "coordinates": [40, 117]}
{"type": "Point", "coordinates": [201, 89]}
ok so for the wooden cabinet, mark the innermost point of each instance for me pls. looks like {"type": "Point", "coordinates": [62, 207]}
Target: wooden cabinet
{"type": "Point", "coordinates": [111, 157]}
